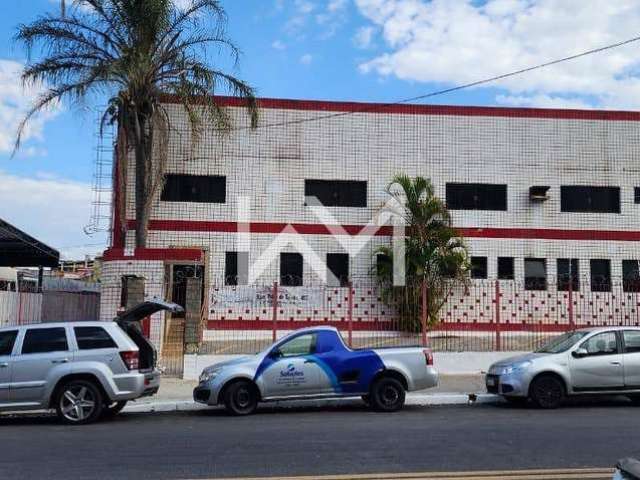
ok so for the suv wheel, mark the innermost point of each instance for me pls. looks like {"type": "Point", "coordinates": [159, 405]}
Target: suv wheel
{"type": "Point", "coordinates": [79, 402]}
{"type": "Point", "coordinates": [112, 409]}
{"type": "Point", "coordinates": [241, 398]}
{"type": "Point", "coordinates": [547, 392]}
{"type": "Point", "coordinates": [387, 395]}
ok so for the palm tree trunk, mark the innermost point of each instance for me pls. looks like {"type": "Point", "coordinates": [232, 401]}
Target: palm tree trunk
{"type": "Point", "coordinates": [142, 212]}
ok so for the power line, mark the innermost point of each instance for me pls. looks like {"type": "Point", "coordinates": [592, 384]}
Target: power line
{"type": "Point", "coordinates": [456, 88]}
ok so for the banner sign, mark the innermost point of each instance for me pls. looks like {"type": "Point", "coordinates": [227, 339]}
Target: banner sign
{"type": "Point", "coordinates": [250, 296]}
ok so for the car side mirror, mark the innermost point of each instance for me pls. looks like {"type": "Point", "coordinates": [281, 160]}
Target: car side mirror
{"type": "Point", "coordinates": [275, 353]}
{"type": "Point", "coordinates": [579, 353]}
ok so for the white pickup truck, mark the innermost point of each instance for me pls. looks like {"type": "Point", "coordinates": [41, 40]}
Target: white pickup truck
{"type": "Point", "coordinates": [316, 363]}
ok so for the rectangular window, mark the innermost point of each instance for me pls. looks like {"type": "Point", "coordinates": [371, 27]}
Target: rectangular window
{"type": "Point", "coordinates": [45, 340]}
{"type": "Point", "coordinates": [384, 265]}
{"type": "Point", "coordinates": [338, 269]}
{"type": "Point", "coordinates": [636, 195]}
{"type": "Point", "coordinates": [90, 338]}
{"type": "Point", "coordinates": [631, 341]}
{"type": "Point", "coordinates": [7, 339]}
{"type": "Point", "coordinates": [194, 188]}
{"type": "Point", "coordinates": [600, 275]}
{"type": "Point", "coordinates": [336, 193]}
{"type": "Point", "coordinates": [631, 275]}
{"type": "Point", "coordinates": [535, 274]}
{"type": "Point", "coordinates": [476, 196]}
{"type": "Point", "coordinates": [590, 199]}
{"type": "Point", "coordinates": [505, 268]}
{"type": "Point", "coordinates": [568, 274]}
{"type": "Point", "coordinates": [291, 268]}
{"type": "Point", "coordinates": [478, 267]}
{"type": "Point", "coordinates": [236, 268]}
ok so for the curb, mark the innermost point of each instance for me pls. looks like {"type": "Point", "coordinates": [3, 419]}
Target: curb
{"type": "Point", "coordinates": [434, 399]}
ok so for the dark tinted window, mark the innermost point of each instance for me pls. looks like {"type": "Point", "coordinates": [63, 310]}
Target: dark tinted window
{"type": "Point", "coordinates": [631, 341]}
{"type": "Point", "coordinates": [600, 276]}
{"type": "Point", "coordinates": [194, 188]}
{"type": "Point", "coordinates": [336, 193]}
{"type": "Point", "coordinates": [636, 195]}
{"type": "Point", "coordinates": [384, 264]}
{"type": "Point", "coordinates": [291, 269]}
{"type": "Point", "coordinates": [590, 199]}
{"type": "Point", "coordinates": [7, 339]}
{"type": "Point", "coordinates": [631, 275]}
{"type": "Point", "coordinates": [338, 269]}
{"type": "Point", "coordinates": [535, 274]}
{"type": "Point", "coordinates": [476, 196]}
{"type": "Point", "coordinates": [478, 267]}
{"type": "Point", "coordinates": [505, 268]}
{"type": "Point", "coordinates": [43, 340]}
{"type": "Point", "coordinates": [89, 338]}
{"type": "Point", "coordinates": [236, 268]}
{"type": "Point", "coordinates": [568, 274]}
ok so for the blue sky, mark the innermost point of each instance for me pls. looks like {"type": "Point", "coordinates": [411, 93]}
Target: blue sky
{"type": "Point", "coordinates": [366, 50]}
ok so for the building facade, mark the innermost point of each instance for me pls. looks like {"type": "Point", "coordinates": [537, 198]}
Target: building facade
{"type": "Point", "coordinates": [541, 196]}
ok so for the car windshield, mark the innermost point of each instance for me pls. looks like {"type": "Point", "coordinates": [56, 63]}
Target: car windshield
{"type": "Point", "coordinates": [562, 343]}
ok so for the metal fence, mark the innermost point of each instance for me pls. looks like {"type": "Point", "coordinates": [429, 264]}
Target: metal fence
{"type": "Point", "coordinates": [22, 308]}
{"type": "Point", "coordinates": [484, 315]}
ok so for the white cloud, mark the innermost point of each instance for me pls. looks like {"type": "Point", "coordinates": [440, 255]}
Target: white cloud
{"type": "Point", "coordinates": [278, 45]}
{"type": "Point", "coordinates": [364, 37]}
{"type": "Point", "coordinates": [15, 102]}
{"type": "Point", "coordinates": [328, 15]}
{"type": "Point", "coordinates": [455, 42]}
{"type": "Point", "coordinates": [306, 59]}
{"type": "Point", "coordinates": [50, 209]}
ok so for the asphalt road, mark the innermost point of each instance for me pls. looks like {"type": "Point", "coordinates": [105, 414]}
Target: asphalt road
{"type": "Point", "coordinates": [314, 441]}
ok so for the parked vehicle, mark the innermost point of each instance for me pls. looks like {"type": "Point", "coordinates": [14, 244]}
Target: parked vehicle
{"type": "Point", "coordinates": [80, 369]}
{"type": "Point", "coordinates": [316, 363]}
{"type": "Point", "coordinates": [627, 469]}
{"type": "Point", "coordinates": [587, 361]}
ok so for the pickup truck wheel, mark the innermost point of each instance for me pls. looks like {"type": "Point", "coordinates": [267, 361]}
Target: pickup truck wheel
{"type": "Point", "coordinates": [547, 392]}
{"type": "Point", "coordinates": [112, 409]}
{"type": "Point", "coordinates": [387, 395]}
{"type": "Point", "coordinates": [241, 398]}
{"type": "Point", "coordinates": [79, 402]}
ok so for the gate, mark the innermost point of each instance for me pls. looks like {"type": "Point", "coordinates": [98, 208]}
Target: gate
{"type": "Point", "coordinates": [173, 345]}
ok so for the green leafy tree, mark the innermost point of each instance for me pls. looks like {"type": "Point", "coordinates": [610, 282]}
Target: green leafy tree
{"type": "Point", "coordinates": [135, 52]}
{"type": "Point", "coordinates": [435, 255]}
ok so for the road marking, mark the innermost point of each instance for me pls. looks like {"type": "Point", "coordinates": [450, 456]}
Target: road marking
{"type": "Point", "coordinates": [564, 474]}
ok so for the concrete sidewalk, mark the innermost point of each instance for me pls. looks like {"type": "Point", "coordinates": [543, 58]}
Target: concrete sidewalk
{"type": "Point", "coordinates": [176, 395]}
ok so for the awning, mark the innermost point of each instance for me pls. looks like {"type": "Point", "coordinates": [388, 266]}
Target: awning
{"type": "Point", "coordinates": [17, 249]}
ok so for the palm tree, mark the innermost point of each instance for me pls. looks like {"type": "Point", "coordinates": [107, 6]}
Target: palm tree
{"type": "Point", "coordinates": [135, 52]}
{"type": "Point", "coordinates": [436, 257]}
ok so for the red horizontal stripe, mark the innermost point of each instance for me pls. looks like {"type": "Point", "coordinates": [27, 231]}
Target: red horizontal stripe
{"type": "Point", "coordinates": [382, 326]}
{"type": "Point", "coordinates": [184, 254]}
{"type": "Point", "coordinates": [319, 229]}
{"type": "Point", "coordinates": [412, 109]}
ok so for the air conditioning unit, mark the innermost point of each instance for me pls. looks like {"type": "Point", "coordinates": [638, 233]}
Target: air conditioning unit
{"type": "Point", "coordinates": [538, 193]}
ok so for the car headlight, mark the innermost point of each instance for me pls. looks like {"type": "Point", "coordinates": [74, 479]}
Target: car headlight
{"type": "Point", "coordinates": [516, 367]}
{"type": "Point", "coordinates": [208, 375]}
